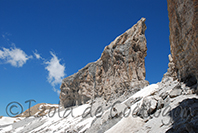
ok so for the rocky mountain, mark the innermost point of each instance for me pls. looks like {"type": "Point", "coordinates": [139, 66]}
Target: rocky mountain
{"type": "Point", "coordinates": [87, 97]}
{"type": "Point", "coordinates": [119, 71]}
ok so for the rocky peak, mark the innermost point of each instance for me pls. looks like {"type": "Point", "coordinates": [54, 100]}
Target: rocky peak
{"type": "Point", "coordinates": [119, 72]}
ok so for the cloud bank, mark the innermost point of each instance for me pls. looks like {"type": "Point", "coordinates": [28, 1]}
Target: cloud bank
{"type": "Point", "coordinates": [14, 56]}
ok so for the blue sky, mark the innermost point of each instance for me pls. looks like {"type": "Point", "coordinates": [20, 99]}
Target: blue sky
{"type": "Point", "coordinates": [43, 41]}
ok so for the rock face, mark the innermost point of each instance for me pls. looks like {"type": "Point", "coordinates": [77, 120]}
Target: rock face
{"type": "Point", "coordinates": [119, 71]}
{"type": "Point", "coordinates": [184, 38]}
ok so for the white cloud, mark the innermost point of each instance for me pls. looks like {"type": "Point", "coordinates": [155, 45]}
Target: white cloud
{"type": "Point", "coordinates": [17, 58]}
{"type": "Point", "coordinates": [38, 56]}
{"type": "Point", "coordinates": [14, 56]}
{"type": "Point", "coordinates": [56, 71]}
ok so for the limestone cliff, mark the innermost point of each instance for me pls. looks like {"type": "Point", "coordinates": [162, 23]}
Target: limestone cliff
{"type": "Point", "coordinates": [183, 17]}
{"type": "Point", "coordinates": [119, 71]}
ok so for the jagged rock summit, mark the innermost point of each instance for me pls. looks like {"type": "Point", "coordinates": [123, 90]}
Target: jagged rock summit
{"type": "Point", "coordinates": [120, 71]}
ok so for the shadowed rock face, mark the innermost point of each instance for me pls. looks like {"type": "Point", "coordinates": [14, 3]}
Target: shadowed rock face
{"type": "Point", "coordinates": [119, 71]}
{"type": "Point", "coordinates": [184, 38]}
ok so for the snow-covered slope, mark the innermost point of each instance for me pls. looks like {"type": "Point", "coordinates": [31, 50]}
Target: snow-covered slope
{"type": "Point", "coordinates": [171, 107]}
{"type": "Point", "coordinates": [8, 120]}
{"type": "Point", "coordinates": [145, 111]}
{"type": "Point", "coordinates": [60, 120]}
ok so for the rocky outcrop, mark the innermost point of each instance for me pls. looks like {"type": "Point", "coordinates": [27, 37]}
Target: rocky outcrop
{"type": "Point", "coordinates": [119, 71]}
{"type": "Point", "coordinates": [171, 72]}
{"type": "Point", "coordinates": [38, 110]}
{"type": "Point", "coordinates": [184, 38]}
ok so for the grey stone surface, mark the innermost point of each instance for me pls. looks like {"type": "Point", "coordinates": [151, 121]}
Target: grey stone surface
{"type": "Point", "coordinates": [119, 71]}
{"type": "Point", "coordinates": [183, 25]}
{"type": "Point", "coordinates": [175, 93]}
